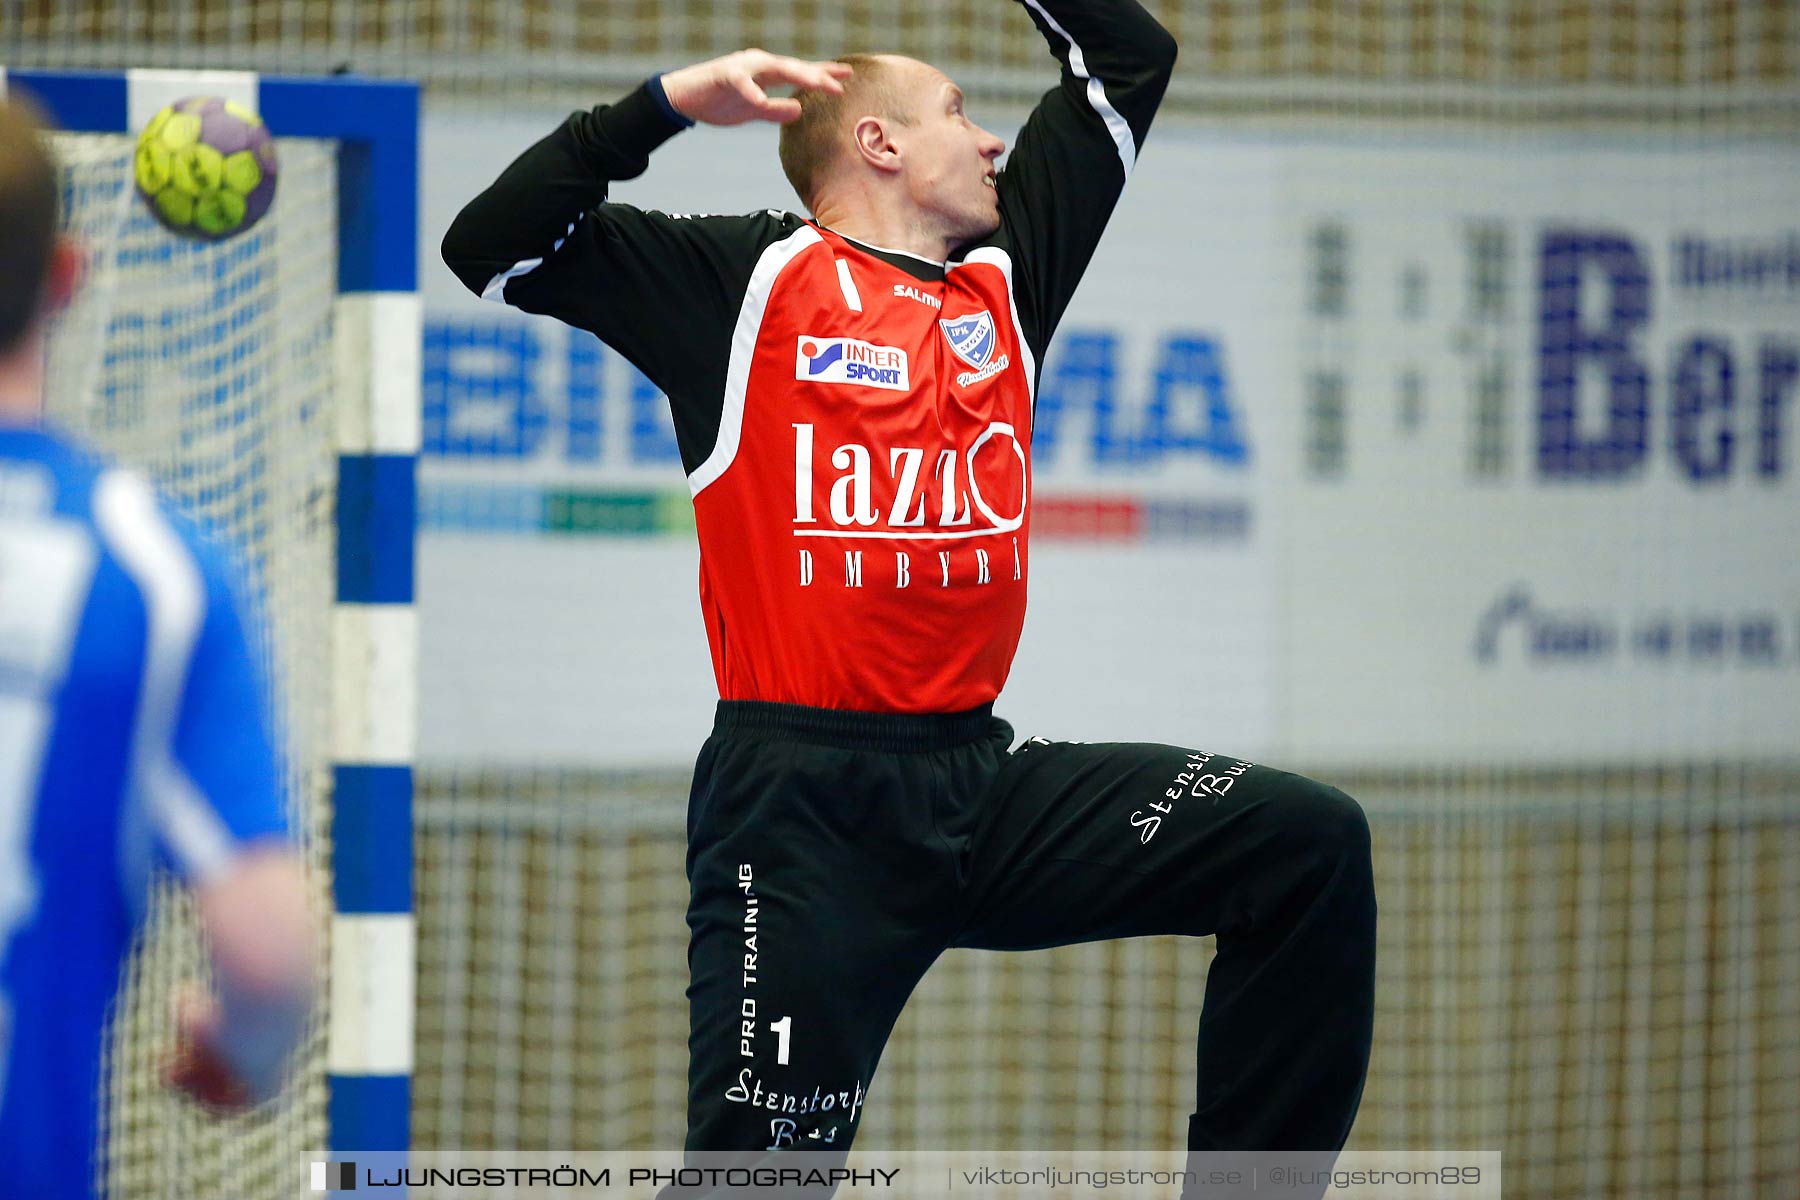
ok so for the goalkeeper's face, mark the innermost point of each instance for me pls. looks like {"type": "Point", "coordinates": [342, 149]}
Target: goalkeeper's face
{"type": "Point", "coordinates": [951, 163]}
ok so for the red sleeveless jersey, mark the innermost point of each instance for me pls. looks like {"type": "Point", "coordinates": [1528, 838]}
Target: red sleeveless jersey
{"type": "Point", "coordinates": [864, 515]}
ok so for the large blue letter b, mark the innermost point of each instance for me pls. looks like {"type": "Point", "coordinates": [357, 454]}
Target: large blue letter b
{"type": "Point", "coordinates": [1567, 260]}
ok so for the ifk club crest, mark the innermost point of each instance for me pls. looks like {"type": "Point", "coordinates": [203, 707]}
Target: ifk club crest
{"type": "Point", "coordinates": [973, 340]}
{"type": "Point", "coordinates": [972, 337]}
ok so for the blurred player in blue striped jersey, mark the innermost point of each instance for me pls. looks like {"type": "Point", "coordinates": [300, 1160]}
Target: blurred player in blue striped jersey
{"type": "Point", "coordinates": [133, 732]}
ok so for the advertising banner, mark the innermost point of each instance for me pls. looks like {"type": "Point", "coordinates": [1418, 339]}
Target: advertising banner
{"type": "Point", "coordinates": [1544, 502]}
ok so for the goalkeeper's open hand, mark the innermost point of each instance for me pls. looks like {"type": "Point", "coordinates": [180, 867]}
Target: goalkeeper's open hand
{"type": "Point", "coordinates": [730, 90]}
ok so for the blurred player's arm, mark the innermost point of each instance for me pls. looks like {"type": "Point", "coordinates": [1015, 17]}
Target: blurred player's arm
{"type": "Point", "coordinates": [1070, 162]}
{"type": "Point", "coordinates": [663, 291]}
{"type": "Point", "coordinates": [231, 1050]}
{"type": "Point", "coordinates": [209, 780]}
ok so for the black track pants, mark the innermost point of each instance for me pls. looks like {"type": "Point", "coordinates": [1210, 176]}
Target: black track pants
{"type": "Point", "coordinates": [833, 856]}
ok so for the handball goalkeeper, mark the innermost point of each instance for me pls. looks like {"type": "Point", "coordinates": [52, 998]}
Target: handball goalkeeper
{"type": "Point", "coordinates": [852, 396]}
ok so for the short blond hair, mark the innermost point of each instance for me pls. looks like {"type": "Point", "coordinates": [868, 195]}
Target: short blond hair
{"type": "Point", "coordinates": [810, 144]}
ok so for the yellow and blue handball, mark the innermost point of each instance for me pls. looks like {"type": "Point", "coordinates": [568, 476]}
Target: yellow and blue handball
{"type": "Point", "coordinates": [206, 167]}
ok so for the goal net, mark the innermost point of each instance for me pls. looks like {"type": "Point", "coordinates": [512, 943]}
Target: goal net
{"type": "Point", "coordinates": [1242, 56]}
{"type": "Point", "coordinates": [211, 367]}
{"type": "Point", "coordinates": [1590, 971]}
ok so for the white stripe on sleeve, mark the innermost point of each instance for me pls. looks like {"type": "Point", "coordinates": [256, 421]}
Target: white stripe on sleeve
{"type": "Point", "coordinates": [1096, 94]}
{"type": "Point", "coordinates": [496, 287]}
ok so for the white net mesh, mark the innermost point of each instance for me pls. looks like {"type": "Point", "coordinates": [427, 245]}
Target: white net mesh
{"type": "Point", "coordinates": [211, 367]}
{"type": "Point", "coordinates": [1591, 971]}
{"type": "Point", "coordinates": [1523, 56]}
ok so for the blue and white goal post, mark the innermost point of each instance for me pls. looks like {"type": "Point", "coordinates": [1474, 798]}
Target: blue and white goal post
{"type": "Point", "coordinates": [373, 626]}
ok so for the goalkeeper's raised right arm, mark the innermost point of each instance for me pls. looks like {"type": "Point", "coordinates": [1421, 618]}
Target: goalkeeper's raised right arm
{"type": "Point", "coordinates": [526, 214]}
{"type": "Point", "coordinates": [663, 291]}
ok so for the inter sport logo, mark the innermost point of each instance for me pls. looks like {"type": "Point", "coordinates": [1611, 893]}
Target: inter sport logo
{"type": "Point", "coordinates": [846, 360]}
